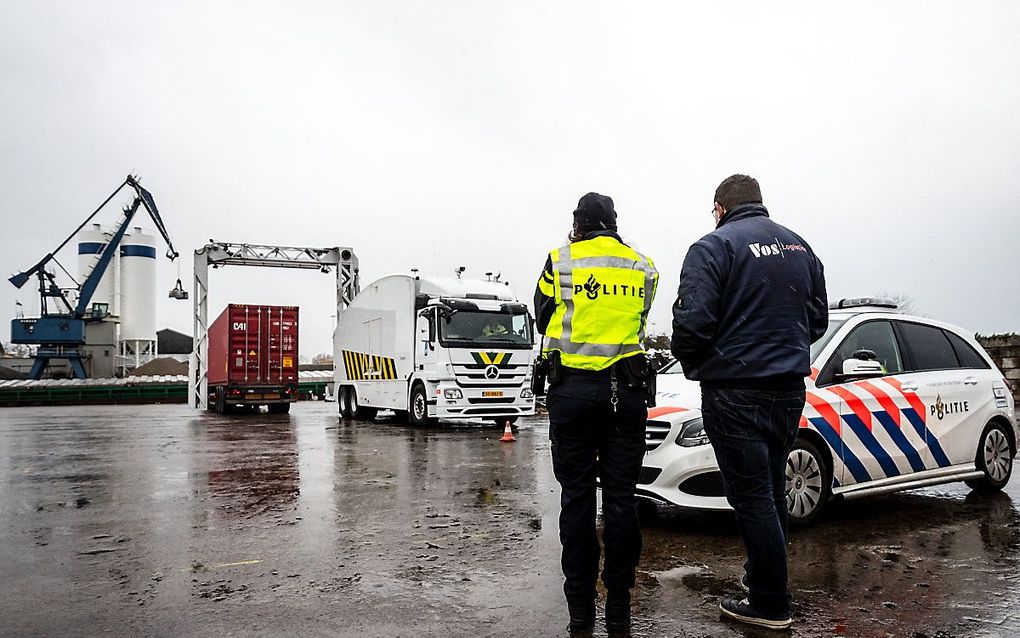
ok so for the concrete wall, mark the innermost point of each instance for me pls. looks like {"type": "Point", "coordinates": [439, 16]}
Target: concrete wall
{"type": "Point", "coordinates": [1005, 351]}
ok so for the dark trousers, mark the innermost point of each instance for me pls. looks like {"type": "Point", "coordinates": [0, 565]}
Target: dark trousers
{"type": "Point", "coordinates": [589, 439]}
{"type": "Point", "coordinates": [752, 432]}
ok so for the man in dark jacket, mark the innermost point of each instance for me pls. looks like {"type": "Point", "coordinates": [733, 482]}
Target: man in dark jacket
{"type": "Point", "coordinates": [751, 302]}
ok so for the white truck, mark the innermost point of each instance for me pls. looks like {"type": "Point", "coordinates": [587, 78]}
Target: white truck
{"type": "Point", "coordinates": [434, 348]}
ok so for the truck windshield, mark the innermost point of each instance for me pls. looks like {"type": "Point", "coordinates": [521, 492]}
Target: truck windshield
{"type": "Point", "coordinates": [477, 328]}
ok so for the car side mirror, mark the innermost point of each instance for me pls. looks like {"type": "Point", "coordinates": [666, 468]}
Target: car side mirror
{"type": "Point", "coordinates": [862, 368]}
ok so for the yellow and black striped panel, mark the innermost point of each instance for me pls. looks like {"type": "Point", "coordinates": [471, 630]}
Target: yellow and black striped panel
{"type": "Point", "coordinates": [368, 367]}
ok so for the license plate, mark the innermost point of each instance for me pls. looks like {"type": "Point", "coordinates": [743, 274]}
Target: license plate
{"type": "Point", "coordinates": [492, 393]}
{"type": "Point", "coordinates": [271, 395]}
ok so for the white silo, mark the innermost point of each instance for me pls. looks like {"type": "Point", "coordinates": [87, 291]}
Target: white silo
{"type": "Point", "coordinates": [137, 298]}
{"type": "Point", "coordinates": [91, 242]}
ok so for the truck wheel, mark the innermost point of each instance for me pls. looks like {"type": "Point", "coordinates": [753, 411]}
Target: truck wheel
{"type": "Point", "coordinates": [418, 415]}
{"type": "Point", "coordinates": [343, 399]}
{"type": "Point", "coordinates": [994, 458]}
{"type": "Point", "coordinates": [279, 408]}
{"type": "Point", "coordinates": [360, 412]}
{"type": "Point", "coordinates": [218, 403]}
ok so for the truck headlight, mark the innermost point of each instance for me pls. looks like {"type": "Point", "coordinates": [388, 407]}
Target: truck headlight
{"type": "Point", "coordinates": [526, 393]}
{"type": "Point", "coordinates": [692, 434]}
{"type": "Point", "coordinates": [453, 393]}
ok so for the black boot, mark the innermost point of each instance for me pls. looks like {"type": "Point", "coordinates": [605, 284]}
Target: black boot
{"type": "Point", "coordinates": [618, 614]}
{"type": "Point", "coordinates": [582, 620]}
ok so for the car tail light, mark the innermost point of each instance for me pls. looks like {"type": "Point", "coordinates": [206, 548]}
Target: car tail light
{"type": "Point", "coordinates": [1001, 394]}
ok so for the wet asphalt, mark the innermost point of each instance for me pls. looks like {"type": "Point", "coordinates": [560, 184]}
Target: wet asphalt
{"type": "Point", "coordinates": [163, 521]}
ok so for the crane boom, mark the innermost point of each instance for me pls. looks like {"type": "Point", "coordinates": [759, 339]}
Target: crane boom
{"type": "Point", "coordinates": [61, 334]}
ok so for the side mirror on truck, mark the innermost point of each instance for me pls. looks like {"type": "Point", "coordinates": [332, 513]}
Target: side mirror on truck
{"type": "Point", "coordinates": [428, 330]}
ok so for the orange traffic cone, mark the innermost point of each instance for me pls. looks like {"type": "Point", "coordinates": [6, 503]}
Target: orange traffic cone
{"type": "Point", "coordinates": [508, 434]}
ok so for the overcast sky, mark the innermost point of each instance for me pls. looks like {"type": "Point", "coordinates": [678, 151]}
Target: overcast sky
{"type": "Point", "coordinates": [439, 134]}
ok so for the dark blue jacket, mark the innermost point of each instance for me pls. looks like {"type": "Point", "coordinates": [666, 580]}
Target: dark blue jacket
{"type": "Point", "coordinates": [751, 302]}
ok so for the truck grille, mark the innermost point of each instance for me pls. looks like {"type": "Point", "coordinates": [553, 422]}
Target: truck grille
{"type": "Point", "coordinates": [655, 434]}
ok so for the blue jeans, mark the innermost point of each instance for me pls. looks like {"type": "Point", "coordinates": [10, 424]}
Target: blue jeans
{"type": "Point", "coordinates": [752, 432]}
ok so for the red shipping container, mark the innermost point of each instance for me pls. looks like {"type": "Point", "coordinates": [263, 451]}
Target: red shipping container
{"type": "Point", "coordinates": [253, 346]}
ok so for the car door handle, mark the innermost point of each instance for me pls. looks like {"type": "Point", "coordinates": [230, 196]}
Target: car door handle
{"type": "Point", "coordinates": [970, 381]}
{"type": "Point", "coordinates": [908, 386]}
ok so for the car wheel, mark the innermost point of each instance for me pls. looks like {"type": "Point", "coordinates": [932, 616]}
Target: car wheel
{"type": "Point", "coordinates": [358, 411]}
{"type": "Point", "coordinates": [808, 484]}
{"type": "Point", "coordinates": [994, 458]}
{"type": "Point", "coordinates": [418, 415]}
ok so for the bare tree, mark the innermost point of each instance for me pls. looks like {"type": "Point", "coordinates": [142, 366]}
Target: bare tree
{"type": "Point", "coordinates": [904, 303]}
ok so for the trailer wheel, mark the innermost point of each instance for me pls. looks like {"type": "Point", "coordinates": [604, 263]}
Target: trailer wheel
{"type": "Point", "coordinates": [360, 412]}
{"type": "Point", "coordinates": [418, 415]}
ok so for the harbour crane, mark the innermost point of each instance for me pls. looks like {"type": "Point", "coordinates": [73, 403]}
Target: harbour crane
{"type": "Point", "coordinates": [59, 331]}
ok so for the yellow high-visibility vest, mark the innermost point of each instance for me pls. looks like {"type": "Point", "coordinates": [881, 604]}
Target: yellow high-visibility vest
{"type": "Point", "coordinates": [603, 291]}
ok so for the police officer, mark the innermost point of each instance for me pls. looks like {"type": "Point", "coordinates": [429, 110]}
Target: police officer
{"type": "Point", "coordinates": [592, 304]}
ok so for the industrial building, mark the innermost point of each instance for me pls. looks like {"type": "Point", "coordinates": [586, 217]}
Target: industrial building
{"type": "Point", "coordinates": [126, 299]}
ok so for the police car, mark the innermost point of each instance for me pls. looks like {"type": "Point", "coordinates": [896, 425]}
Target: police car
{"type": "Point", "coordinates": [894, 402]}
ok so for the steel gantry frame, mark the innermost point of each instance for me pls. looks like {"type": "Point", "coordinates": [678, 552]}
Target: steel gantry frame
{"type": "Point", "coordinates": [218, 254]}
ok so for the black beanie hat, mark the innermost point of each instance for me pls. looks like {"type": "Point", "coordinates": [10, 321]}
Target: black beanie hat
{"type": "Point", "coordinates": [594, 212]}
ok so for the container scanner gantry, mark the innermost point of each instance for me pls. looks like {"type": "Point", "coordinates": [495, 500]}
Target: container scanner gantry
{"type": "Point", "coordinates": [218, 254]}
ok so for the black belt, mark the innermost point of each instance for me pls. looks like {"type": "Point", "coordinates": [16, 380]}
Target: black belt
{"type": "Point", "coordinates": [592, 374]}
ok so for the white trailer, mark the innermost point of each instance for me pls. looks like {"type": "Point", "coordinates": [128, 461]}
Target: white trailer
{"type": "Point", "coordinates": [434, 348]}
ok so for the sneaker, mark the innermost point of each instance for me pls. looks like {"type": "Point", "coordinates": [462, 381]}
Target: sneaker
{"type": "Point", "coordinates": [741, 611]}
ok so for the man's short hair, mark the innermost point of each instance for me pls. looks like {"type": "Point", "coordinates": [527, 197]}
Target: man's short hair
{"type": "Point", "coordinates": [736, 190]}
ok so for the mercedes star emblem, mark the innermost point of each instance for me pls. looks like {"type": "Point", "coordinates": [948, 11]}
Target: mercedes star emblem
{"type": "Point", "coordinates": [492, 372]}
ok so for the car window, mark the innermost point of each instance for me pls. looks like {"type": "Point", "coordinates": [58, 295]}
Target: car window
{"type": "Point", "coordinates": [969, 358]}
{"type": "Point", "coordinates": [876, 336]}
{"type": "Point", "coordinates": [928, 347]}
{"type": "Point", "coordinates": [834, 325]}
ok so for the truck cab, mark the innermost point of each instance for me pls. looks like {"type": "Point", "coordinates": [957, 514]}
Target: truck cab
{"type": "Point", "coordinates": [435, 348]}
